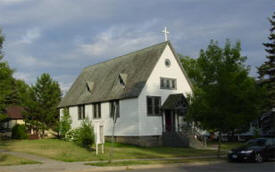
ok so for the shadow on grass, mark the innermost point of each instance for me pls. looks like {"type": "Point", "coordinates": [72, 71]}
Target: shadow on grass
{"type": "Point", "coordinates": [3, 157]}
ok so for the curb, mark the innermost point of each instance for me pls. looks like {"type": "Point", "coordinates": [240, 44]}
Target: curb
{"type": "Point", "coordinates": [136, 167]}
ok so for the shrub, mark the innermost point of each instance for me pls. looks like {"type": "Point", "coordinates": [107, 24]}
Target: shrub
{"type": "Point", "coordinates": [65, 123]}
{"type": "Point", "coordinates": [19, 132]}
{"type": "Point", "coordinates": [73, 135]}
{"type": "Point", "coordinates": [86, 134]}
{"type": "Point", "coordinates": [83, 136]}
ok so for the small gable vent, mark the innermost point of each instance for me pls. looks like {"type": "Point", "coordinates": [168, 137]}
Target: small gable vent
{"type": "Point", "coordinates": [90, 86]}
{"type": "Point", "coordinates": [122, 79]}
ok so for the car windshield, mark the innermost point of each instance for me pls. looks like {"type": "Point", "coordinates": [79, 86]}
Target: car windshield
{"type": "Point", "coordinates": [257, 142]}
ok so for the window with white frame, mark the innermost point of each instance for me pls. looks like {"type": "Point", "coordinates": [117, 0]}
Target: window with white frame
{"type": "Point", "coordinates": [114, 107]}
{"type": "Point", "coordinates": [168, 83]}
{"type": "Point", "coordinates": [97, 110]}
{"type": "Point", "coordinates": [153, 105]}
{"type": "Point", "coordinates": [81, 112]}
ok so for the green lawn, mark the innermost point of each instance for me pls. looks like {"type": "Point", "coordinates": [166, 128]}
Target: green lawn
{"type": "Point", "coordinates": [67, 151]}
{"type": "Point", "coordinates": [225, 146]}
{"type": "Point", "coordinates": [6, 159]}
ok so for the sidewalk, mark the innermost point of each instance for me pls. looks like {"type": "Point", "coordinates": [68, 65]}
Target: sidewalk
{"type": "Point", "coordinates": [58, 166]}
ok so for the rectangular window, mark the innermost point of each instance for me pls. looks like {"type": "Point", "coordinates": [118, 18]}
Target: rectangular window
{"type": "Point", "coordinates": [153, 105]}
{"type": "Point", "coordinates": [81, 112]}
{"type": "Point", "coordinates": [114, 108]}
{"type": "Point", "coordinates": [168, 83]}
{"type": "Point", "coordinates": [97, 110]}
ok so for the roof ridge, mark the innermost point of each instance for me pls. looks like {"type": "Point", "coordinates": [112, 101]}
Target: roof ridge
{"type": "Point", "coordinates": [114, 58]}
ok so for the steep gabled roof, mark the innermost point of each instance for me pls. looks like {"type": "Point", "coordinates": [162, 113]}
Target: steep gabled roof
{"type": "Point", "coordinates": [137, 66]}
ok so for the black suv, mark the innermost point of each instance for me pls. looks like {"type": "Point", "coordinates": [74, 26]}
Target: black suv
{"type": "Point", "coordinates": [258, 150]}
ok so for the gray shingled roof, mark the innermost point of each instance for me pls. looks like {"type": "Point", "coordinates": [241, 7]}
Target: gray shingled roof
{"type": "Point", "coordinates": [174, 101]}
{"type": "Point", "coordinates": [134, 67]}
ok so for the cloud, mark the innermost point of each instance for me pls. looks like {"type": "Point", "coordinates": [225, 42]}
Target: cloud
{"type": "Point", "coordinates": [120, 39]}
{"type": "Point", "coordinates": [8, 2]}
{"type": "Point", "coordinates": [30, 36]}
{"type": "Point", "coordinates": [29, 61]}
{"type": "Point", "coordinates": [27, 77]}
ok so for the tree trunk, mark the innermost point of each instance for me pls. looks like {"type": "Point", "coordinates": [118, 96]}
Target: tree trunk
{"type": "Point", "coordinates": [219, 145]}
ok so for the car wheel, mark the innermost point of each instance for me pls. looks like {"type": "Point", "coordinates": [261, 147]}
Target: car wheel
{"type": "Point", "coordinates": [258, 158]}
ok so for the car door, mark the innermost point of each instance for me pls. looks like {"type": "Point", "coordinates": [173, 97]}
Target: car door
{"type": "Point", "coordinates": [270, 148]}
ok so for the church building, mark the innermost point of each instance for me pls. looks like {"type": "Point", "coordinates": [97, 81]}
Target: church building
{"type": "Point", "coordinates": [145, 90]}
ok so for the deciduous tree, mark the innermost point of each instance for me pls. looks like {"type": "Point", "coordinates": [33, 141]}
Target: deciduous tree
{"type": "Point", "coordinates": [225, 97]}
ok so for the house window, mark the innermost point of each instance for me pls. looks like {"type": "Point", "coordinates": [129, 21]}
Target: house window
{"type": "Point", "coordinates": [97, 110]}
{"type": "Point", "coordinates": [167, 63]}
{"type": "Point", "coordinates": [114, 105]}
{"type": "Point", "coordinates": [168, 83]}
{"type": "Point", "coordinates": [153, 105]}
{"type": "Point", "coordinates": [81, 112]}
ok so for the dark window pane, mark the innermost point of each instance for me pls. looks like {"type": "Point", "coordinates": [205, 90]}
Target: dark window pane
{"type": "Point", "coordinates": [94, 110]}
{"type": "Point", "coordinates": [173, 83]}
{"type": "Point", "coordinates": [157, 105]}
{"type": "Point", "coordinates": [99, 110]}
{"type": "Point", "coordinates": [149, 105]}
{"type": "Point", "coordinates": [118, 115]}
{"type": "Point", "coordinates": [83, 112]}
{"type": "Point", "coordinates": [161, 83]}
{"type": "Point", "coordinates": [79, 112]}
{"type": "Point", "coordinates": [111, 109]}
{"type": "Point", "coordinates": [167, 83]}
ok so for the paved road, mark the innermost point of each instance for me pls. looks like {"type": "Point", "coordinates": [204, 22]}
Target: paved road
{"type": "Point", "coordinates": [220, 167]}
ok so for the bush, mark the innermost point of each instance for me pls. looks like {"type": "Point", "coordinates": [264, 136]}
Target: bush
{"type": "Point", "coordinates": [83, 136]}
{"type": "Point", "coordinates": [65, 123]}
{"type": "Point", "coordinates": [19, 132]}
{"type": "Point", "coordinates": [73, 135]}
{"type": "Point", "coordinates": [86, 134]}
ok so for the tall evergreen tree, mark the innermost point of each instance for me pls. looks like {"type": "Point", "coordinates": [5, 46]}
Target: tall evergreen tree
{"type": "Point", "coordinates": [6, 82]}
{"type": "Point", "coordinates": [267, 80]}
{"type": "Point", "coordinates": [41, 108]}
{"type": "Point", "coordinates": [267, 70]}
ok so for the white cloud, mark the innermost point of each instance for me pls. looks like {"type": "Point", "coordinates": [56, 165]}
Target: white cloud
{"type": "Point", "coordinates": [11, 1]}
{"type": "Point", "coordinates": [119, 40]}
{"type": "Point", "coordinates": [27, 77]}
{"type": "Point", "coordinates": [29, 61]}
{"type": "Point", "coordinates": [30, 36]}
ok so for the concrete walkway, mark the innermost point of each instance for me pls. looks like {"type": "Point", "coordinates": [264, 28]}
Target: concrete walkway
{"type": "Point", "coordinates": [58, 166]}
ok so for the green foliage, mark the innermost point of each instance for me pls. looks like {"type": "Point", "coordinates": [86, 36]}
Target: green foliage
{"type": "Point", "coordinates": [191, 67]}
{"type": "Point", "coordinates": [65, 123]}
{"type": "Point", "coordinates": [225, 97]}
{"type": "Point", "coordinates": [42, 104]}
{"type": "Point", "coordinates": [6, 82]}
{"type": "Point", "coordinates": [83, 136]}
{"type": "Point", "coordinates": [86, 134]}
{"type": "Point", "coordinates": [73, 135]}
{"type": "Point", "coordinates": [267, 70]}
{"type": "Point", "coordinates": [19, 132]}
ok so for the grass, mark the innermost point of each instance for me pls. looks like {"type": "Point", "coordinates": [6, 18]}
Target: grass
{"type": "Point", "coordinates": [69, 152]}
{"type": "Point", "coordinates": [225, 146]}
{"type": "Point", "coordinates": [135, 162]}
{"type": "Point", "coordinates": [6, 159]}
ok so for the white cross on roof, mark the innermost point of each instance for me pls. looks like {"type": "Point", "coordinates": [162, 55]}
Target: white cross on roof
{"type": "Point", "coordinates": [165, 31]}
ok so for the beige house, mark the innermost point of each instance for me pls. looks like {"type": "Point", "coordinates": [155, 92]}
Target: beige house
{"type": "Point", "coordinates": [14, 116]}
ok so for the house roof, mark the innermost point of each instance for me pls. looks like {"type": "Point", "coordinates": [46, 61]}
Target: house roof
{"type": "Point", "coordinates": [175, 102]}
{"type": "Point", "coordinates": [133, 69]}
{"type": "Point", "coordinates": [14, 112]}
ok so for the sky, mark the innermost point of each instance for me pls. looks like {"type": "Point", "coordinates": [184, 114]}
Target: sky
{"type": "Point", "coordinates": [61, 37]}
